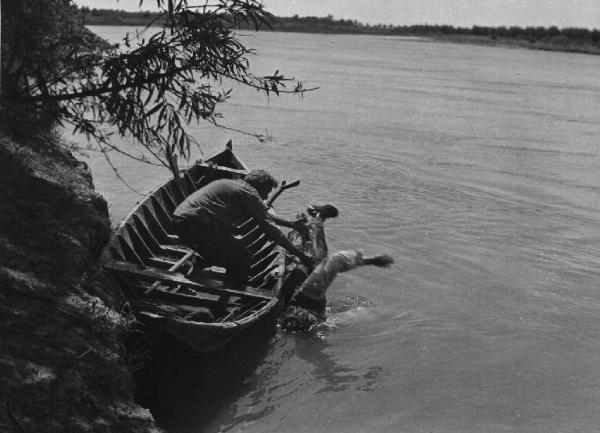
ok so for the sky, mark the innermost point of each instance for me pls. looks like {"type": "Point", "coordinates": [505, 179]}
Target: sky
{"type": "Point", "coordinates": [465, 13]}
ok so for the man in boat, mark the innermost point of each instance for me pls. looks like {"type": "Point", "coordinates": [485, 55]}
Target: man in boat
{"type": "Point", "coordinates": [205, 221]}
{"type": "Point", "coordinates": [308, 302]}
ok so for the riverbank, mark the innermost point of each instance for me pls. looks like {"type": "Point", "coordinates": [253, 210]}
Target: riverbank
{"type": "Point", "coordinates": [579, 40]}
{"type": "Point", "coordinates": [63, 363]}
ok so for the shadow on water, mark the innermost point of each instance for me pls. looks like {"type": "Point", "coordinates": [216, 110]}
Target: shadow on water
{"type": "Point", "coordinates": [185, 389]}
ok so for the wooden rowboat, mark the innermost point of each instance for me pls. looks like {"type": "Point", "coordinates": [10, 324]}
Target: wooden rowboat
{"type": "Point", "coordinates": [152, 267]}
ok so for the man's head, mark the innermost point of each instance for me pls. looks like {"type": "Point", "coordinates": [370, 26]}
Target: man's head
{"type": "Point", "coordinates": [261, 181]}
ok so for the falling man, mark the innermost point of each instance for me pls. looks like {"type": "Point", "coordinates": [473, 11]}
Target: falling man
{"type": "Point", "coordinates": [308, 302]}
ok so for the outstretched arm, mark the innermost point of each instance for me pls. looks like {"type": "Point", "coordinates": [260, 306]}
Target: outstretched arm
{"type": "Point", "coordinates": [298, 225]}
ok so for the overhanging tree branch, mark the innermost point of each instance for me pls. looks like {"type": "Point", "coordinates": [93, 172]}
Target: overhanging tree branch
{"type": "Point", "coordinates": [63, 74]}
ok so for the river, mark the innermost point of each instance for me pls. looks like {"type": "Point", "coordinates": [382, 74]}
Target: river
{"type": "Point", "coordinates": [478, 169]}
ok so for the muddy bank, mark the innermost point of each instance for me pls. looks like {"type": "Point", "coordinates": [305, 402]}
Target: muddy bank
{"type": "Point", "coordinates": [63, 364]}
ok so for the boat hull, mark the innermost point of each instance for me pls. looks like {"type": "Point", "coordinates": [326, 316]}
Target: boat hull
{"type": "Point", "coordinates": [164, 281]}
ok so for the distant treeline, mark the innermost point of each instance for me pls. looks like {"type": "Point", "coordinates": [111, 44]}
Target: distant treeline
{"type": "Point", "coordinates": [570, 39]}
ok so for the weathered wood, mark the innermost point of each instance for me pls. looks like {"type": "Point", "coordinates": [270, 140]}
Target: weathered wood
{"type": "Point", "coordinates": [153, 222]}
{"type": "Point", "coordinates": [204, 180]}
{"type": "Point", "coordinates": [146, 234]}
{"type": "Point", "coordinates": [137, 242]}
{"type": "Point", "coordinates": [129, 252]}
{"type": "Point", "coordinates": [174, 267]}
{"type": "Point", "coordinates": [149, 257]}
{"type": "Point", "coordinates": [264, 251]}
{"type": "Point", "coordinates": [179, 250]}
{"type": "Point", "coordinates": [267, 258]}
{"type": "Point", "coordinates": [237, 313]}
{"type": "Point", "coordinates": [176, 300]}
{"type": "Point", "coordinates": [175, 239]}
{"type": "Point", "coordinates": [116, 252]}
{"type": "Point", "coordinates": [182, 299]}
{"type": "Point", "coordinates": [159, 262]}
{"type": "Point", "coordinates": [246, 226]}
{"type": "Point", "coordinates": [257, 244]}
{"type": "Point", "coordinates": [208, 285]}
{"type": "Point", "coordinates": [189, 183]}
{"type": "Point", "coordinates": [258, 266]}
{"type": "Point", "coordinates": [182, 261]}
{"type": "Point", "coordinates": [176, 192]}
{"type": "Point", "coordinates": [262, 275]}
{"type": "Point", "coordinates": [161, 213]}
{"type": "Point", "coordinates": [252, 235]}
{"type": "Point", "coordinates": [168, 200]}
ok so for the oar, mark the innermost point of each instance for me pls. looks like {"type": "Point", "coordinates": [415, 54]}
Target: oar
{"type": "Point", "coordinates": [284, 185]}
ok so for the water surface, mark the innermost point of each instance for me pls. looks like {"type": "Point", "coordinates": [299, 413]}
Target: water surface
{"type": "Point", "coordinates": [477, 168]}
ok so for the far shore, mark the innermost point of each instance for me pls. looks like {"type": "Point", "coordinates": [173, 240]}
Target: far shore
{"type": "Point", "coordinates": [573, 40]}
{"type": "Point", "coordinates": [517, 43]}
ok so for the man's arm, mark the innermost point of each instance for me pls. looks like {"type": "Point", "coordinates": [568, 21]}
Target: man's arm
{"type": "Point", "coordinates": [277, 219]}
{"type": "Point", "coordinates": [258, 210]}
{"type": "Point", "coordinates": [298, 225]}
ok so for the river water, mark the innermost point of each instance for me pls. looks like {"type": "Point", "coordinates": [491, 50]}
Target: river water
{"type": "Point", "coordinates": [478, 169]}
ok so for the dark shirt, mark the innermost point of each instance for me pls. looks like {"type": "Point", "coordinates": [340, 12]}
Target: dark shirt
{"type": "Point", "coordinates": [225, 202]}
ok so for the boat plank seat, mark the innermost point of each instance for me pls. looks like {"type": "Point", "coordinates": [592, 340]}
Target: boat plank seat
{"type": "Point", "coordinates": [175, 249]}
{"type": "Point", "coordinates": [207, 285]}
{"type": "Point", "coordinates": [185, 299]}
{"type": "Point", "coordinates": [172, 265]}
{"type": "Point", "coordinates": [176, 301]}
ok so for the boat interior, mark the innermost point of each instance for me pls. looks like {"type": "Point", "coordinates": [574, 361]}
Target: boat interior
{"type": "Point", "coordinates": [166, 278]}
